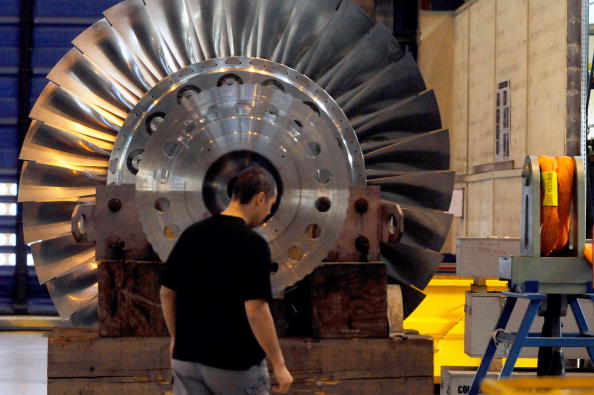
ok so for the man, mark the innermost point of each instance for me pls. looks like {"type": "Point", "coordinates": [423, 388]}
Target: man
{"type": "Point", "coordinates": [215, 293]}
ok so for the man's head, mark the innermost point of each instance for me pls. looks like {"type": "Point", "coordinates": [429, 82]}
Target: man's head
{"type": "Point", "coordinates": [255, 191]}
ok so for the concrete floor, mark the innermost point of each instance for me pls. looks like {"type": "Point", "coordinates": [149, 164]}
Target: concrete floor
{"type": "Point", "coordinates": [23, 363]}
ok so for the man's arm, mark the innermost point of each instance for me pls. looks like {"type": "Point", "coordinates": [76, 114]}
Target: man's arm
{"type": "Point", "coordinates": [168, 297]}
{"type": "Point", "coordinates": [262, 324]}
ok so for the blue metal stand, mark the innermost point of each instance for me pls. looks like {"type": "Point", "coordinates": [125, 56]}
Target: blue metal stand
{"type": "Point", "coordinates": [523, 338]}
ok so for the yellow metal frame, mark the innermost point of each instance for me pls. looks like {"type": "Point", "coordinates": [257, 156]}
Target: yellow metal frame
{"type": "Point", "coordinates": [541, 385]}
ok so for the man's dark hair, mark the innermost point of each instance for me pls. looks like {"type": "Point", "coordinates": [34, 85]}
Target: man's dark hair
{"type": "Point", "coordinates": [252, 181]}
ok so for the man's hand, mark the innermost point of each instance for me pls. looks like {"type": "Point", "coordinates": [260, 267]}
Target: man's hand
{"type": "Point", "coordinates": [171, 346]}
{"type": "Point", "coordinates": [260, 319]}
{"type": "Point", "coordinates": [283, 378]}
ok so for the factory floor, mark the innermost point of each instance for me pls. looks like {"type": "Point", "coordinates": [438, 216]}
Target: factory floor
{"type": "Point", "coordinates": [23, 363]}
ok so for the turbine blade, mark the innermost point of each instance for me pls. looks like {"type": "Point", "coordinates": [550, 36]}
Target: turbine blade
{"type": "Point", "coordinates": [46, 221]}
{"type": "Point", "coordinates": [419, 113]}
{"type": "Point", "coordinates": [427, 151]}
{"type": "Point", "coordinates": [415, 264]}
{"type": "Point", "coordinates": [56, 257]}
{"type": "Point", "coordinates": [411, 297]}
{"type": "Point", "coordinates": [74, 290]}
{"type": "Point", "coordinates": [431, 189]}
{"type": "Point", "coordinates": [271, 20]}
{"type": "Point", "coordinates": [307, 22]}
{"type": "Point", "coordinates": [372, 53]}
{"type": "Point", "coordinates": [101, 44]}
{"type": "Point", "coordinates": [173, 19]}
{"type": "Point", "coordinates": [79, 76]}
{"type": "Point", "coordinates": [131, 21]}
{"type": "Point", "coordinates": [60, 109]}
{"type": "Point", "coordinates": [346, 26]}
{"type": "Point", "coordinates": [45, 183]}
{"type": "Point", "coordinates": [87, 315]}
{"type": "Point", "coordinates": [51, 146]}
{"type": "Point", "coordinates": [397, 81]}
{"type": "Point", "coordinates": [426, 228]}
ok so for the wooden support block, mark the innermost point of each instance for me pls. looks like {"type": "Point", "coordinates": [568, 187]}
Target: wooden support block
{"type": "Point", "coordinates": [129, 303]}
{"type": "Point", "coordinates": [83, 363]}
{"type": "Point", "coordinates": [81, 353]}
{"type": "Point", "coordinates": [338, 300]}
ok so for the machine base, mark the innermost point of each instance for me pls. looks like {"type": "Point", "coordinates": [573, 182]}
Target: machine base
{"type": "Point", "coordinates": [81, 362]}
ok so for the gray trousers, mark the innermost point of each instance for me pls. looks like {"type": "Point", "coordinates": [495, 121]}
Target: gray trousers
{"type": "Point", "coordinates": [193, 378]}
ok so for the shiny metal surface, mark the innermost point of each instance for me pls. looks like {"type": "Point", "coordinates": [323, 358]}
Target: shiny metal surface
{"type": "Point", "coordinates": [78, 75]}
{"type": "Point", "coordinates": [74, 290]}
{"type": "Point", "coordinates": [418, 113]}
{"type": "Point", "coordinates": [46, 221]}
{"type": "Point", "coordinates": [307, 21]}
{"type": "Point", "coordinates": [44, 183]}
{"type": "Point", "coordinates": [51, 146]}
{"type": "Point", "coordinates": [427, 228]}
{"type": "Point", "coordinates": [173, 19]}
{"type": "Point", "coordinates": [101, 44]}
{"type": "Point", "coordinates": [208, 75]}
{"type": "Point", "coordinates": [62, 110]}
{"type": "Point", "coordinates": [429, 189]}
{"type": "Point", "coordinates": [398, 80]}
{"type": "Point", "coordinates": [117, 104]}
{"type": "Point", "coordinates": [261, 121]}
{"type": "Point", "coordinates": [375, 50]}
{"type": "Point", "coordinates": [131, 21]}
{"type": "Point", "coordinates": [347, 25]}
{"type": "Point", "coordinates": [417, 153]}
{"type": "Point", "coordinates": [55, 257]}
{"type": "Point", "coordinates": [86, 315]}
{"type": "Point", "coordinates": [415, 264]}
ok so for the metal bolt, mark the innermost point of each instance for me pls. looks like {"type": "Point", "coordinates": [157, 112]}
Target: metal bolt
{"type": "Point", "coordinates": [114, 205]}
{"type": "Point", "coordinates": [362, 244]}
{"type": "Point", "coordinates": [361, 206]}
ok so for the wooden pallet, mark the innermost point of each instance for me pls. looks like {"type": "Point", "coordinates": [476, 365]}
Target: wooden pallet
{"type": "Point", "coordinates": [81, 362]}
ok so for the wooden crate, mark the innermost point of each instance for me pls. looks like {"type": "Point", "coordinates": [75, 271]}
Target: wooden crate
{"type": "Point", "coordinates": [337, 300]}
{"type": "Point", "coordinates": [129, 303]}
{"type": "Point", "coordinates": [81, 362]}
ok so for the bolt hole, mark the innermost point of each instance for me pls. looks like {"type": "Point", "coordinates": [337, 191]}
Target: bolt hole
{"type": "Point", "coordinates": [314, 149]}
{"type": "Point", "coordinates": [323, 176]}
{"type": "Point", "coordinates": [323, 204]}
{"type": "Point", "coordinates": [162, 175]}
{"type": "Point", "coordinates": [313, 231]}
{"type": "Point", "coordinates": [133, 161]}
{"type": "Point", "coordinates": [171, 148]}
{"type": "Point", "coordinates": [162, 204]}
{"type": "Point", "coordinates": [153, 122]}
{"type": "Point", "coordinates": [229, 80]}
{"type": "Point", "coordinates": [171, 231]}
{"type": "Point", "coordinates": [312, 106]}
{"type": "Point", "coordinates": [186, 93]}
{"type": "Point", "coordinates": [296, 253]}
{"type": "Point", "coordinates": [274, 83]}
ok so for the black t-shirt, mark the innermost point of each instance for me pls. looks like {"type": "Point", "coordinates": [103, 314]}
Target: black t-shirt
{"type": "Point", "coordinates": [216, 265]}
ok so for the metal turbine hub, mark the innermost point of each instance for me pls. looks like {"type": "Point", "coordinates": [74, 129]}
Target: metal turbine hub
{"type": "Point", "coordinates": [152, 87]}
{"type": "Point", "coordinates": [201, 126]}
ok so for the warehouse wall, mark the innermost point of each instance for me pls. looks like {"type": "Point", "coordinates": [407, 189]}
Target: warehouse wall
{"type": "Point", "coordinates": [533, 44]}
